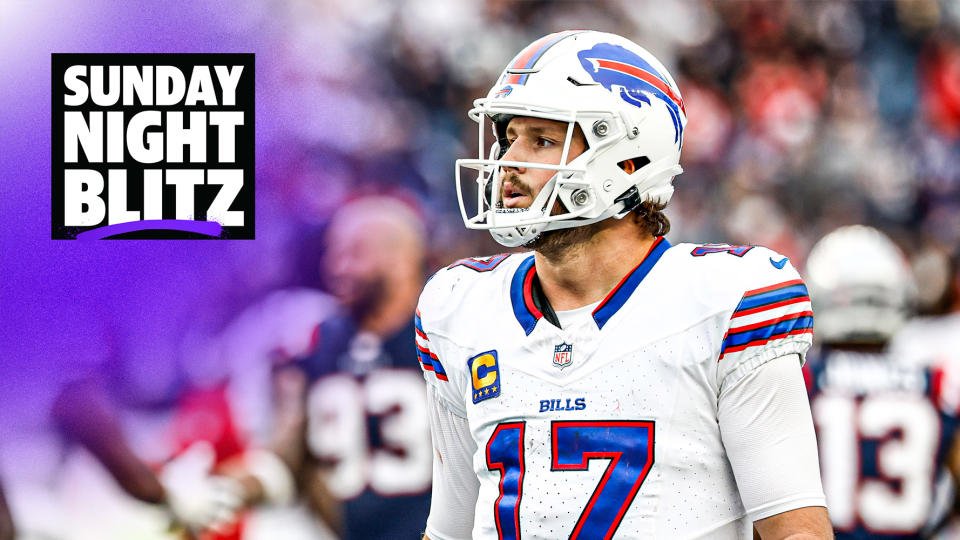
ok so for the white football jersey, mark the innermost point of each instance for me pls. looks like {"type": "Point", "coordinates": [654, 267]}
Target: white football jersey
{"type": "Point", "coordinates": [610, 427]}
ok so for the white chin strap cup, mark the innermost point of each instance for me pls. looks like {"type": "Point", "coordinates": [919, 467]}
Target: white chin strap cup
{"type": "Point", "coordinates": [506, 230]}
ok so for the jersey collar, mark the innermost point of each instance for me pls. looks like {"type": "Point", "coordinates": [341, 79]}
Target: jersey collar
{"type": "Point", "coordinates": [530, 304]}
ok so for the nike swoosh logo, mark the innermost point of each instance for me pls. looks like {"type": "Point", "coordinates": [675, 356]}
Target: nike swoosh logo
{"type": "Point", "coordinates": [779, 264]}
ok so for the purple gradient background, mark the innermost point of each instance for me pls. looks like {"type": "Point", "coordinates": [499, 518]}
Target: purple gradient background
{"type": "Point", "coordinates": [60, 297]}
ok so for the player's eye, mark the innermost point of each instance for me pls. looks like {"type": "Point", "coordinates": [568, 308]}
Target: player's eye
{"type": "Point", "coordinates": [545, 142]}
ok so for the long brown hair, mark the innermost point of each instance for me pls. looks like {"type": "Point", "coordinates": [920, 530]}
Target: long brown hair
{"type": "Point", "coordinates": [649, 215]}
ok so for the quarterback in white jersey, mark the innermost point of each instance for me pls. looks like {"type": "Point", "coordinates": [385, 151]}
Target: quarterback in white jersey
{"type": "Point", "coordinates": [609, 384]}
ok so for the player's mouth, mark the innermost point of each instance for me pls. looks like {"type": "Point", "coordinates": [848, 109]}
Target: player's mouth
{"type": "Point", "coordinates": [514, 197]}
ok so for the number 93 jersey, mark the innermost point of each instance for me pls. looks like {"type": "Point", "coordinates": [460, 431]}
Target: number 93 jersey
{"type": "Point", "coordinates": [608, 426]}
{"type": "Point", "coordinates": [366, 423]}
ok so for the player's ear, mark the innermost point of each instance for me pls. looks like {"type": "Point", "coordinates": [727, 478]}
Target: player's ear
{"type": "Point", "coordinates": [628, 166]}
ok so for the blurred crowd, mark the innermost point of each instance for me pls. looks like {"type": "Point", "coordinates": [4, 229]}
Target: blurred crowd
{"type": "Point", "coordinates": [803, 116]}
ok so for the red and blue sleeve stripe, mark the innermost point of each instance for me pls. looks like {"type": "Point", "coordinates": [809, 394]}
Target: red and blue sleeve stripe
{"type": "Point", "coordinates": [428, 360]}
{"type": "Point", "coordinates": [762, 333]}
{"type": "Point", "coordinates": [781, 294]}
{"type": "Point", "coordinates": [773, 312]}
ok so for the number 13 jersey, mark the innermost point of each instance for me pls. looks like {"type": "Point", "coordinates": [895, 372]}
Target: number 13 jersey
{"type": "Point", "coordinates": [885, 429]}
{"type": "Point", "coordinates": [613, 427]}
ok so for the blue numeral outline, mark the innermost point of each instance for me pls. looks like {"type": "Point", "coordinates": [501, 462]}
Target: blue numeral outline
{"type": "Point", "coordinates": [505, 454]}
{"type": "Point", "coordinates": [628, 444]}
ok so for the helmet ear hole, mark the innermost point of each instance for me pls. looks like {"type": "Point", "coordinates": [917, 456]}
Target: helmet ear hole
{"type": "Point", "coordinates": [633, 165]}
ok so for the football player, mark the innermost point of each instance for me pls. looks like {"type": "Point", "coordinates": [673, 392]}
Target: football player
{"type": "Point", "coordinates": [884, 425]}
{"type": "Point", "coordinates": [609, 383]}
{"type": "Point", "coordinates": [361, 444]}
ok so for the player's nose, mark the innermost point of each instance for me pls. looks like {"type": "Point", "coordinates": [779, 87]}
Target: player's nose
{"type": "Point", "coordinates": [514, 153]}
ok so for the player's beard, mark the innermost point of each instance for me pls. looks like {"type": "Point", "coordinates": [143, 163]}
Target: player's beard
{"type": "Point", "coordinates": [553, 244]}
{"type": "Point", "coordinates": [365, 297]}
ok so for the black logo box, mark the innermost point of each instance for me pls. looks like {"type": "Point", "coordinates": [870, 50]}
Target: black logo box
{"type": "Point", "coordinates": [204, 194]}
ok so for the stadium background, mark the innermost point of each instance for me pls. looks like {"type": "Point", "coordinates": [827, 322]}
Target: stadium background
{"type": "Point", "coordinates": [804, 115]}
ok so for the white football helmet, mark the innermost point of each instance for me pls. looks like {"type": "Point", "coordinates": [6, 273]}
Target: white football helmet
{"type": "Point", "coordinates": [627, 106]}
{"type": "Point", "coordinates": [861, 286]}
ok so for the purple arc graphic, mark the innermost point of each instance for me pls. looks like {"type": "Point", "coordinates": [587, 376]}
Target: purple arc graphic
{"type": "Point", "coordinates": [206, 228]}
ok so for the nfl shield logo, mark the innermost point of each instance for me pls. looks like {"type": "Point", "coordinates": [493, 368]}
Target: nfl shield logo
{"type": "Point", "coordinates": [562, 355]}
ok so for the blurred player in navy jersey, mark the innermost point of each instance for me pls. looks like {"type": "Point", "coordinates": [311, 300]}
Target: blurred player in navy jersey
{"type": "Point", "coordinates": [360, 446]}
{"type": "Point", "coordinates": [609, 383]}
{"type": "Point", "coordinates": [885, 426]}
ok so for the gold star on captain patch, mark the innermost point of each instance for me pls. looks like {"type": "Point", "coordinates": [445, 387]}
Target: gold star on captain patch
{"type": "Point", "coordinates": [493, 389]}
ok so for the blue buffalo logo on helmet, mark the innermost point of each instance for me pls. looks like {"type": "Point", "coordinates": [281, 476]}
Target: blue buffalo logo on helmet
{"type": "Point", "coordinates": [633, 78]}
